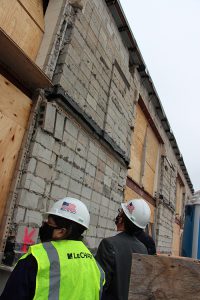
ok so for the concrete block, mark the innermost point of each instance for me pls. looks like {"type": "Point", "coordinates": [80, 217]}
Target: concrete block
{"type": "Point", "coordinates": [33, 183]}
{"type": "Point", "coordinates": [77, 174]}
{"type": "Point", "coordinates": [100, 232]}
{"type": "Point", "coordinates": [94, 219]}
{"type": "Point", "coordinates": [86, 192]}
{"type": "Point", "coordinates": [102, 222]}
{"type": "Point", "coordinates": [58, 192]}
{"type": "Point", "coordinates": [67, 154]}
{"type": "Point", "coordinates": [63, 166]}
{"type": "Point", "coordinates": [92, 158]}
{"type": "Point", "coordinates": [28, 199]}
{"type": "Point", "coordinates": [94, 208]}
{"type": "Point", "coordinates": [105, 201]}
{"type": "Point", "coordinates": [59, 126]}
{"type": "Point", "coordinates": [93, 148]}
{"type": "Point", "coordinates": [43, 171]}
{"type": "Point", "coordinates": [90, 169]}
{"type": "Point", "coordinates": [33, 217]}
{"type": "Point", "coordinates": [41, 153]}
{"type": "Point", "coordinates": [71, 128]}
{"type": "Point", "coordinates": [19, 214]}
{"type": "Point", "coordinates": [74, 186]}
{"type": "Point", "coordinates": [62, 180]}
{"type": "Point", "coordinates": [69, 141]}
{"type": "Point", "coordinates": [98, 186]}
{"type": "Point", "coordinates": [31, 165]}
{"type": "Point", "coordinates": [96, 197]}
{"type": "Point", "coordinates": [49, 118]}
{"type": "Point", "coordinates": [42, 204]}
{"type": "Point", "coordinates": [92, 101]}
{"type": "Point", "coordinates": [88, 181]}
{"type": "Point", "coordinates": [79, 162]}
{"type": "Point", "coordinates": [43, 138]}
{"type": "Point", "coordinates": [26, 235]}
{"type": "Point", "coordinates": [81, 150]}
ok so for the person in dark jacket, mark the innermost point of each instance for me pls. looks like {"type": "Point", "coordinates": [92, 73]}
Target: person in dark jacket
{"type": "Point", "coordinates": [61, 267]}
{"type": "Point", "coordinates": [140, 234]}
{"type": "Point", "coordinates": [114, 254]}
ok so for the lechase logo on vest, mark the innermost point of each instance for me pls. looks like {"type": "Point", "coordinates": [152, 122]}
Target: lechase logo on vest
{"type": "Point", "coordinates": [79, 255]}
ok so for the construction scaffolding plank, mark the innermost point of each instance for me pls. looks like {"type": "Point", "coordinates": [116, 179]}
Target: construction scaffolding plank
{"type": "Point", "coordinates": [163, 277]}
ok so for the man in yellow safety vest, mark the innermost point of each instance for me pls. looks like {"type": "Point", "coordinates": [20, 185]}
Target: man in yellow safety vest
{"type": "Point", "coordinates": [61, 267]}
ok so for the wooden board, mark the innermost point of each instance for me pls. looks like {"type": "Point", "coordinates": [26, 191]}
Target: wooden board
{"type": "Point", "coordinates": [13, 103]}
{"type": "Point", "coordinates": [35, 9]}
{"type": "Point", "coordinates": [148, 179]}
{"type": "Point", "coordinates": [176, 239]}
{"type": "Point", "coordinates": [20, 66]}
{"type": "Point", "coordinates": [11, 136]}
{"type": "Point", "coordinates": [20, 26]}
{"type": "Point", "coordinates": [14, 114]}
{"type": "Point", "coordinates": [163, 278]}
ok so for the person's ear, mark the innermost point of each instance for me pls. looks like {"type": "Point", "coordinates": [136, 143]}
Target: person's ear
{"type": "Point", "coordinates": [59, 233]}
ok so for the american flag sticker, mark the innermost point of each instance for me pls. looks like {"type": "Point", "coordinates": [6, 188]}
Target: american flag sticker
{"type": "Point", "coordinates": [70, 207]}
{"type": "Point", "coordinates": [130, 207]}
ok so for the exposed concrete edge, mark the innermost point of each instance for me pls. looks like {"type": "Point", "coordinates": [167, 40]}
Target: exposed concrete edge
{"type": "Point", "coordinates": [58, 92]}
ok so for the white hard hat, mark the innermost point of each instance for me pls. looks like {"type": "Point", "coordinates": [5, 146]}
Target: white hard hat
{"type": "Point", "coordinates": [71, 209]}
{"type": "Point", "coordinates": [138, 212]}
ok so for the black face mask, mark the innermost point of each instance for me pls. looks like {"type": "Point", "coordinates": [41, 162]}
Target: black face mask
{"type": "Point", "coordinates": [46, 232]}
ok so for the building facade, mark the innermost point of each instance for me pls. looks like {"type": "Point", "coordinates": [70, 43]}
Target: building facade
{"type": "Point", "coordinates": [90, 125]}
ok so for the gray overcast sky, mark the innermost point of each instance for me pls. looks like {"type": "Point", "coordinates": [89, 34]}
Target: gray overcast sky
{"type": "Point", "coordinates": [168, 35]}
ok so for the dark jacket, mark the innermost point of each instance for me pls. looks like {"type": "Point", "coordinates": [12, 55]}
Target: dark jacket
{"type": "Point", "coordinates": [147, 240]}
{"type": "Point", "coordinates": [115, 256]}
{"type": "Point", "coordinates": [21, 283]}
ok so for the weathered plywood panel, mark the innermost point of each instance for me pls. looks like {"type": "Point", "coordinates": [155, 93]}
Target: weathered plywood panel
{"type": "Point", "coordinates": [152, 149]}
{"type": "Point", "coordinates": [162, 278]}
{"type": "Point", "coordinates": [14, 114]}
{"type": "Point", "coordinates": [130, 194]}
{"type": "Point", "coordinates": [140, 125]}
{"type": "Point", "coordinates": [176, 240]}
{"type": "Point", "coordinates": [13, 103]}
{"type": "Point", "coordinates": [35, 9]}
{"type": "Point", "coordinates": [11, 135]}
{"type": "Point", "coordinates": [20, 26]}
{"type": "Point", "coordinates": [136, 160]}
{"type": "Point", "coordinates": [148, 179]}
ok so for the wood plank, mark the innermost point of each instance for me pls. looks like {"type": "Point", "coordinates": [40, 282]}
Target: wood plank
{"type": "Point", "coordinates": [148, 179]}
{"type": "Point", "coordinates": [16, 22]}
{"type": "Point", "coordinates": [11, 135]}
{"type": "Point", "coordinates": [152, 149]}
{"type": "Point", "coordinates": [20, 66]}
{"type": "Point", "coordinates": [13, 103]}
{"type": "Point", "coordinates": [163, 277]}
{"type": "Point", "coordinates": [176, 239]}
{"type": "Point", "coordinates": [35, 9]}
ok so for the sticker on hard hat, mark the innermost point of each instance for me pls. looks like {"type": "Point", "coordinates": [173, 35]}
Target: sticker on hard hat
{"type": "Point", "coordinates": [130, 207]}
{"type": "Point", "coordinates": [70, 207]}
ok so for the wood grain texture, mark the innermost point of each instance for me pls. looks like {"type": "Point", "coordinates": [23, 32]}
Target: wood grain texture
{"type": "Point", "coordinates": [35, 9]}
{"type": "Point", "coordinates": [11, 135]}
{"type": "Point", "coordinates": [13, 103]}
{"type": "Point", "coordinates": [163, 278]}
{"type": "Point", "coordinates": [20, 26]}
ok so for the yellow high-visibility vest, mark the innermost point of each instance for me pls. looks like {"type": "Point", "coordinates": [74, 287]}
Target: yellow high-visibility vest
{"type": "Point", "coordinates": [66, 271]}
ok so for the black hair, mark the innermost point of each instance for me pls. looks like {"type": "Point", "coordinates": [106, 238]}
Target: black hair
{"type": "Point", "coordinates": [75, 230]}
{"type": "Point", "coordinates": [129, 226]}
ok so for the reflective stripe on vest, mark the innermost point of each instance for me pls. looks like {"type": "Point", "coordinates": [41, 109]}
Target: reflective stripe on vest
{"type": "Point", "coordinates": [66, 270]}
{"type": "Point", "coordinates": [54, 271]}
